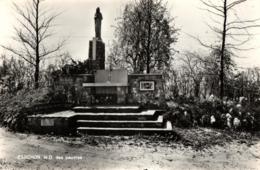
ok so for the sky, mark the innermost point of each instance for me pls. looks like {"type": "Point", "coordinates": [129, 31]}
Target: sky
{"type": "Point", "coordinates": [76, 24]}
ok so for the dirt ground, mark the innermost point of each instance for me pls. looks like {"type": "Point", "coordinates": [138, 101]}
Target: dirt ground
{"type": "Point", "coordinates": [27, 151]}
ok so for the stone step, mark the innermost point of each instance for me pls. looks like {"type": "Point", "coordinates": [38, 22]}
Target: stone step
{"type": "Point", "coordinates": [124, 131]}
{"type": "Point", "coordinates": [145, 115]}
{"type": "Point", "coordinates": [122, 123]}
{"type": "Point", "coordinates": [108, 109]}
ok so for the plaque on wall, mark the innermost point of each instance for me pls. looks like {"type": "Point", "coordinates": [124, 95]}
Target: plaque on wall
{"type": "Point", "coordinates": [47, 122]}
{"type": "Point", "coordinates": [146, 85]}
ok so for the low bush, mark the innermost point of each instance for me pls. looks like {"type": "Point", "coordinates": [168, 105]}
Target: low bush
{"type": "Point", "coordinates": [14, 108]}
{"type": "Point", "coordinates": [230, 115]}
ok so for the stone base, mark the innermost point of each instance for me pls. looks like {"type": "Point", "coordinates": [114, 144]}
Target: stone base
{"type": "Point", "coordinates": [60, 123]}
{"type": "Point", "coordinates": [101, 120]}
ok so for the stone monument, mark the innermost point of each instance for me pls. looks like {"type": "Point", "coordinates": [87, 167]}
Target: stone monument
{"type": "Point", "coordinates": [97, 46]}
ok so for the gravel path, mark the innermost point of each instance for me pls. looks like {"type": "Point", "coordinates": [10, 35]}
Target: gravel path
{"type": "Point", "coordinates": [23, 151]}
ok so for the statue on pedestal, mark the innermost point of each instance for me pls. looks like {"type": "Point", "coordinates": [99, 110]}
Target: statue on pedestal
{"type": "Point", "coordinates": [97, 46]}
{"type": "Point", "coordinates": [98, 20]}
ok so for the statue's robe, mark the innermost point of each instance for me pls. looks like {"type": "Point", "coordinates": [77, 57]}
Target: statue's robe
{"type": "Point", "coordinates": [98, 19]}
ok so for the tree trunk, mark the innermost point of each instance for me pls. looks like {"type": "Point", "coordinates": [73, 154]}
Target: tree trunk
{"type": "Point", "coordinates": [36, 76]}
{"type": "Point", "coordinates": [196, 89]}
{"type": "Point", "coordinates": [223, 51]}
{"type": "Point", "coordinates": [149, 37]}
{"type": "Point", "coordinates": [37, 53]}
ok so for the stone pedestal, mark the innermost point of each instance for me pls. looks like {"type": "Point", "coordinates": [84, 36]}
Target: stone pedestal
{"type": "Point", "coordinates": [97, 54]}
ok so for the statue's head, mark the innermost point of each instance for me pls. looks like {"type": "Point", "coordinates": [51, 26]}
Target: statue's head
{"type": "Point", "coordinates": [97, 10]}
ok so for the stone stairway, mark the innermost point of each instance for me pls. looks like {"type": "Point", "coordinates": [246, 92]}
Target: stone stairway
{"type": "Point", "coordinates": [119, 120]}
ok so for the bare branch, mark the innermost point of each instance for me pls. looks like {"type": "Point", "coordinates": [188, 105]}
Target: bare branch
{"type": "Point", "coordinates": [215, 29]}
{"type": "Point", "coordinates": [27, 28]}
{"type": "Point", "coordinates": [240, 34]}
{"type": "Point", "coordinates": [230, 46]}
{"type": "Point", "coordinates": [25, 16]}
{"type": "Point", "coordinates": [243, 42]}
{"type": "Point", "coordinates": [44, 36]}
{"type": "Point", "coordinates": [48, 52]}
{"type": "Point", "coordinates": [17, 53]}
{"type": "Point", "coordinates": [47, 21]}
{"type": "Point", "coordinates": [201, 43]}
{"type": "Point", "coordinates": [243, 21]}
{"type": "Point", "coordinates": [235, 3]}
{"type": "Point", "coordinates": [241, 27]}
{"type": "Point", "coordinates": [214, 20]}
{"type": "Point", "coordinates": [24, 38]}
{"type": "Point", "coordinates": [212, 6]}
{"type": "Point", "coordinates": [31, 57]}
{"type": "Point", "coordinates": [220, 15]}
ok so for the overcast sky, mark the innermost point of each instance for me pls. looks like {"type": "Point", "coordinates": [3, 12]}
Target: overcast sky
{"type": "Point", "coordinates": [77, 23]}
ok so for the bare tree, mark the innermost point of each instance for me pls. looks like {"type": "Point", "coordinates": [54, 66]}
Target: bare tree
{"type": "Point", "coordinates": [193, 69]}
{"type": "Point", "coordinates": [34, 29]}
{"type": "Point", "coordinates": [232, 31]}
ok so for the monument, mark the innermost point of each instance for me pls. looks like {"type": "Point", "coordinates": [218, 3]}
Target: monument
{"type": "Point", "coordinates": [111, 86]}
{"type": "Point", "coordinates": [96, 45]}
{"type": "Point", "coordinates": [99, 95]}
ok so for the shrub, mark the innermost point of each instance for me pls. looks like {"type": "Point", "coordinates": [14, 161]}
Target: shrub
{"type": "Point", "coordinates": [14, 108]}
{"type": "Point", "coordinates": [214, 114]}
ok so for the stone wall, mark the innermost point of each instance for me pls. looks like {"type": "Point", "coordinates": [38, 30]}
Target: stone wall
{"type": "Point", "coordinates": [141, 96]}
{"type": "Point", "coordinates": [75, 93]}
{"type": "Point", "coordinates": [51, 125]}
{"type": "Point", "coordinates": [71, 88]}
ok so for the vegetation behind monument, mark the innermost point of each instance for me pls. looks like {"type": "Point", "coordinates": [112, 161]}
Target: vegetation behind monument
{"type": "Point", "coordinates": [145, 35]}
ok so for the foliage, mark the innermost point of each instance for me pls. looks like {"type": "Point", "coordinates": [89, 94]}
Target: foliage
{"type": "Point", "coordinates": [246, 83]}
{"type": "Point", "coordinates": [14, 75]}
{"type": "Point", "coordinates": [15, 108]}
{"type": "Point", "coordinates": [145, 35]}
{"type": "Point", "coordinates": [75, 67]}
{"type": "Point", "coordinates": [78, 67]}
{"type": "Point", "coordinates": [212, 113]}
{"type": "Point", "coordinates": [212, 69]}
{"type": "Point", "coordinates": [12, 106]}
